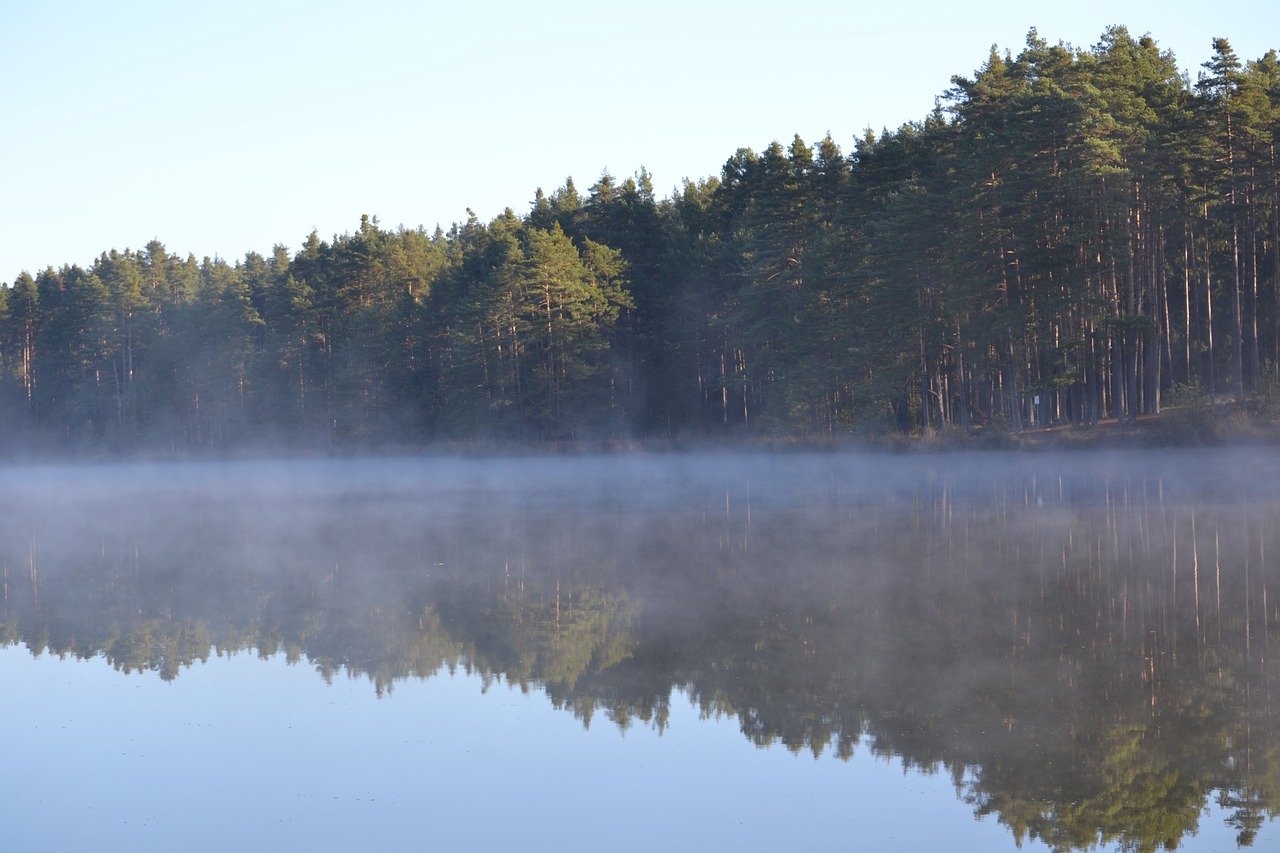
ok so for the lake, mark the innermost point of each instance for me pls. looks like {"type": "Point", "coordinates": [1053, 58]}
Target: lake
{"type": "Point", "coordinates": [818, 650]}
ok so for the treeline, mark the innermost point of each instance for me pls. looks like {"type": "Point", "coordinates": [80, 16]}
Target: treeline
{"type": "Point", "coordinates": [1067, 237]}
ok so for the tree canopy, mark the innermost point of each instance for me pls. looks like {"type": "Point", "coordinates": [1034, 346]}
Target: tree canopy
{"type": "Point", "coordinates": [1071, 235]}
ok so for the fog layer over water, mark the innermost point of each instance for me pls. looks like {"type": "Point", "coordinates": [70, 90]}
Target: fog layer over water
{"type": "Point", "coordinates": [1080, 645]}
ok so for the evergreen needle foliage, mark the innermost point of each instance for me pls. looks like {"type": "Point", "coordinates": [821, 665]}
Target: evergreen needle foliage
{"type": "Point", "coordinates": [1070, 234]}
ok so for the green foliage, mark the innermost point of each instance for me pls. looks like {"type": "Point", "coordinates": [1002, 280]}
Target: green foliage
{"type": "Point", "coordinates": [1081, 225]}
{"type": "Point", "coordinates": [1190, 416]}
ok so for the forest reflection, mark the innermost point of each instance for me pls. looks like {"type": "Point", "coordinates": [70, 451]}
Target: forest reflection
{"type": "Point", "coordinates": [1085, 644]}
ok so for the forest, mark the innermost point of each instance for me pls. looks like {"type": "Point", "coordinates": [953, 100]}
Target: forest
{"type": "Point", "coordinates": [1071, 237]}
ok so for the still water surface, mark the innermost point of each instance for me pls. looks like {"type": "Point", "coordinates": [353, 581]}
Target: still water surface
{"type": "Point", "coordinates": [684, 651]}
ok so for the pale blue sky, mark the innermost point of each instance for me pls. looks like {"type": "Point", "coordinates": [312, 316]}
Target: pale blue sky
{"type": "Point", "coordinates": [224, 127]}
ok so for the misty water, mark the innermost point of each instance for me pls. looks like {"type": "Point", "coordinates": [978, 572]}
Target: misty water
{"type": "Point", "coordinates": [644, 651]}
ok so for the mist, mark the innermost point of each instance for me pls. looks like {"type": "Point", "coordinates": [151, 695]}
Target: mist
{"type": "Point", "coordinates": [987, 615]}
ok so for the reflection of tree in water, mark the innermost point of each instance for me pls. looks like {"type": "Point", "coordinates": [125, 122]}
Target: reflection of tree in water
{"type": "Point", "coordinates": [1088, 667]}
{"type": "Point", "coordinates": [542, 633]}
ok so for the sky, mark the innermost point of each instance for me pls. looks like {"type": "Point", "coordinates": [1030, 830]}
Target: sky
{"type": "Point", "coordinates": [220, 128]}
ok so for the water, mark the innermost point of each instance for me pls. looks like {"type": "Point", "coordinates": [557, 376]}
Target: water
{"type": "Point", "coordinates": [691, 651]}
